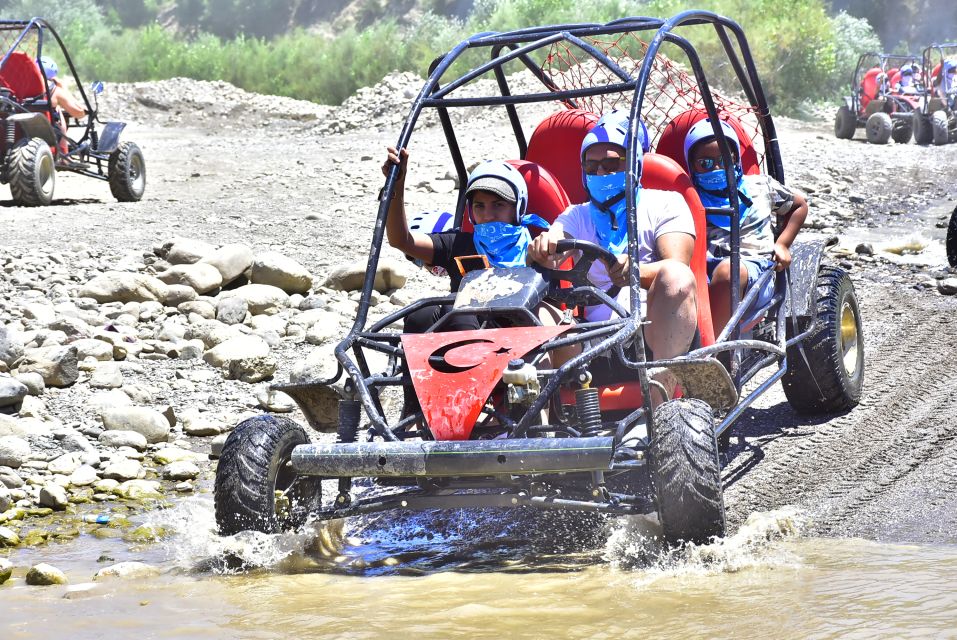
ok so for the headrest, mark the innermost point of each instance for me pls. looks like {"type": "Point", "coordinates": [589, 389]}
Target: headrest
{"type": "Point", "coordinates": [672, 140]}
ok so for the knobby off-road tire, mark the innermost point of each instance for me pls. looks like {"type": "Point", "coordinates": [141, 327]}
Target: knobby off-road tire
{"type": "Point", "coordinates": [253, 469]}
{"type": "Point", "coordinates": [685, 472]}
{"type": "Point", "coordinates": [31, 173]}
{"type": "Point", "coordinates": [938, 123]}
{"type": "Point", "coordinates": [845, 123]}
{"type": "Point", "coordinates": [951, 243]}
{"type": "Point", "coordinates": [902, 131]}
{"type": "Point", "coordinates": [923, 131]}
{"type": "Point", "coordinates": [879, 127]}
{"type": "Point", "coordinates": [127, 173]}
{"type": "Point", "coordinates": [835, 352]}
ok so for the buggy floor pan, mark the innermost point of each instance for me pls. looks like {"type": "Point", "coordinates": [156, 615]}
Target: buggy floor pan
{"type": "Point", "coordinates": [420, 459]}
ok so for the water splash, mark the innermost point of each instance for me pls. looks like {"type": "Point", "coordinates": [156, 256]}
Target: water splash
{"type": "Point", "coordinates": [636, 543]}
{"type": "Point", "coordinates": [195, 545]}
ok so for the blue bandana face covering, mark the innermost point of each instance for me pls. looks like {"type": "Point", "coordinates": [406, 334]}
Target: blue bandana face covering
{"type": "Point", "coordinates": [505, 244]}
{"type": "Point", "coordinates": [713, 189]}
{"type": "Point", "coordinates": [608, 209]}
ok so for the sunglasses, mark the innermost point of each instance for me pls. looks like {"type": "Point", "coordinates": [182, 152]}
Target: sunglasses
{"type": "Point", "coordinates": [610, 165]}
{"type": "Point", "coordinates": [707, 164]}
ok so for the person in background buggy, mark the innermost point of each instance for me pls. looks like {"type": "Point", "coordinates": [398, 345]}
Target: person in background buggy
{"type": "Point", "coordinates": [665, 242]}
{"type": "Point", "coordinates": [945, 87]}
{"type": "Point", "coordinates": [758, 197]}
{"type": "Point", "coordinates": [908, 80]}
{"type": "Point", "coordinates": [62, 101]}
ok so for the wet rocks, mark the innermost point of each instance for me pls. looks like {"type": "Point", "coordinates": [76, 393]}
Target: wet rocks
{"type": "Point", "coordinates": [53, 496]}
{"type": "Point", "coordinates": [126, 570]}
{"type": "Point", "coordinates": [45, 575]}
{"type": "Point", "coordinates": [6, 570]}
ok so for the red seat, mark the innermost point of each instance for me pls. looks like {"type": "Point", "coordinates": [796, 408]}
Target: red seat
{"type": "Point", "coordinates": [870, 85]}
{"type": "Point", "coordinates": [672, 140]}
{"type": "Point", "coordinates": [546, 197]}
{"type": "Point", "coordinates": [22, 76]}
{"type": "Point", "coordinates": [556, 145]}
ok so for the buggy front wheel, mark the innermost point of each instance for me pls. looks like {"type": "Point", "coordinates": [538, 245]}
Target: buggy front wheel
{"type": "Point", "coordinates": [127, 173]}
{"type": "Point", "coordinates": [902, 131]}
{"type": "Point", "coordinates": [879, 127]}
{"type": "Point", "coordinates": [832, 376]}
{"type": "Point", "coordinates": [844, 123]}
{"type": "Point", "coordinates": [923, 131]}
{"type": "Point", "coordinates": [256, 489]}
{"type": "Point", "coordinates": [685, 472]}
{"type": "Point", "coordinates": [939, 125]}
{"type": "Point", "coordinates": [31, 173]}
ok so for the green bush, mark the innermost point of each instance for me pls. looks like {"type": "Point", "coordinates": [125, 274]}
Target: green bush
{"type": "Point", "coordinates": [802, 54]}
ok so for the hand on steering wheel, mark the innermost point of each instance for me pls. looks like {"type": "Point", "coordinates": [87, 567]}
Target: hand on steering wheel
{"type": "Point", "coordinates": [578, 274]}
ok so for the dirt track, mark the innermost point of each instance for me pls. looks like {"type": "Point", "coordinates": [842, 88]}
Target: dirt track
{"type": "Point", "coordinates": [884, 470]}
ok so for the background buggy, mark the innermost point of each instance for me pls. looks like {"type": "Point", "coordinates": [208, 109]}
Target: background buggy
{"type": "Point", "coordinates": [936, 121]}
{"type": "Point", "coordinates": [875, 105]}
{"type": "Point", "coordinates": [33, 146]}
{"type": "Point", "coordinates": [479, 438]}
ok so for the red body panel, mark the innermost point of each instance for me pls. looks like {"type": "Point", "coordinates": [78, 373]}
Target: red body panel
{"type": "Point", "coordinates": [465, 367]}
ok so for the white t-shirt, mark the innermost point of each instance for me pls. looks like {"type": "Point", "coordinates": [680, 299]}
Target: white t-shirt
{"type": "Point", "coordinates": [658, 212]}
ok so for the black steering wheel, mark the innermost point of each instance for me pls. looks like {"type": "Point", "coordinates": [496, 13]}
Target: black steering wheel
{"type": "Point", "coordinates": [578, 274]}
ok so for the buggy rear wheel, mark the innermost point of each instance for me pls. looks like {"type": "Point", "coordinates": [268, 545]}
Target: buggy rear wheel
{"type": "Point", "coordinates": [256, 489]}
{"type": "Point", "coordinates": [685, 472]}
{"type": "Point", "coordinates": [938, 123]}
{"type": "Point", "coordinates": [923, 131]}
{"type": "Point", "coordinates": [31, 173]}
{"type": "Point", "coordinates": [845, 123]}
{"type": "Point", "coordinates": [902, 131]}
{"type": "Point", "coordinates": [127, 173]}
{"type": "Point", "coordinates": [833, 376]}
{"type": "Point", "coordinates": [879, 127]}
{"type": "Point", "coordinates": [952, 239]}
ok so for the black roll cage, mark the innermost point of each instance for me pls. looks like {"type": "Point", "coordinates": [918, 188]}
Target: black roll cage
{"type": "Point", "coordinates": [623, 335]}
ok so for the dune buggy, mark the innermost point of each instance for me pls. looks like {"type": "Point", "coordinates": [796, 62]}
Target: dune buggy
{"type": "Point", "coordinates": [877, 102]}
{"type": "Point", "coordinates": [33, 143]}
{"type": "Point", "coordinates": [936, 121]}
{"type": "Point", "coordinates": [495, 424]}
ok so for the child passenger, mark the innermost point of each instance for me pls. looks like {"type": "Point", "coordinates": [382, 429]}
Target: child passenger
{"type": "Point", "coordinates": [759, 196]}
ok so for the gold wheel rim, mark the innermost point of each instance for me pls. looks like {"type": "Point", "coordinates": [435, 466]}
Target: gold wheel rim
{"type": "Point", "coordinates": [850, 338]}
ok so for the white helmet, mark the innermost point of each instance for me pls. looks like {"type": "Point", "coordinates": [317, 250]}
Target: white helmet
{"type": "Point", "coordinates": [502, 179]}
{"type": "Point", "coordinates": [703, 131]}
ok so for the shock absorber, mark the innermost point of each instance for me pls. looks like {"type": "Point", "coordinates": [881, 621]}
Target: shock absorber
{"type": "Point", "coordinates": [350, 412]}
{"type": "Point", "coordinates": [587, 406]}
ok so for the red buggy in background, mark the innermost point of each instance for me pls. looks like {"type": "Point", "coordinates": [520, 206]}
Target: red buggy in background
{"type": "Point", "coordinates": [33, 144]}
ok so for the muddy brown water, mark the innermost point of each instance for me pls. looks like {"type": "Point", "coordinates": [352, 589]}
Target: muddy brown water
{"type": "Point", "coordinates": [388, 580]}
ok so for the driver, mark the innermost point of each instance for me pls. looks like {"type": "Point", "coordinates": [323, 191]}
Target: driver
{"type": "Point", "coordinates": [61, 100]}
{"type": "Point", "coordinates": [665, 241]}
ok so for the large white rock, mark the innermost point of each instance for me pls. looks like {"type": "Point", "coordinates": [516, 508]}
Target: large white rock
{"type": "Point", "coordinates": [119, 439]}
{"type": "Point", "coordinates": [93, 348]}
{"type": "Point", "coordinates": [107, 400]}
{"type": "Point", "coordinates": [280, 271]}
{"type": "Point", "coordinates": [14, 451]}
{"type": "Point", "coordinates": [391, 274]}
{"type": "Point", "coordinates": [124, 469]}
{"type": "Point", "coordinates": [12, 391]}
{"type": "Point", "coordinates": [65, 464]}
{"type": "Point", "coordinates": [181, 470]}
{"type": "Point", "coordinates": [57, 365]}
{"type": "Point", "coordinates": [201, 277]}
{"type": "Point", "coordinates": [236, 349]}
{"type": "Point", "coordinates": [231, 260]}
{"type": "Point", "coordinates": [84, 476]}
{"type": "Point", "coordinates": [128, 570]}
{"type": "Point", "coordinates": [11, 346]}
{"type": "Point", "coordinates": [122, 286]}
{"type": "Point", "coordinates": [53, 496]}
{"type": "Point", "coordinates": [44, 575]}
{"type": "Point", "coordinates": [149, 423]}
{"type": "Point", "coordinates": [107, 376]}
{"type": "Point", "coordinates": [188, 251]}
{"type": "Point", "coordinates": [10, 426]}
{"type": "Point", "coordinates": [261, 298]}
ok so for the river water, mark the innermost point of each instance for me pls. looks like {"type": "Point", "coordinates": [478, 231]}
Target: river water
{"type": "Point", "coordinates": [487, 575]}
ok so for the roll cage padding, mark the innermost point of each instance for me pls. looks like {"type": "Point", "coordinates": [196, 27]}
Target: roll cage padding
{"type": "Point", "coordinates": [546, 197]}
{"type": "Point", "coordinates": [672, 140]}
{"type": "Point", "coordinates": [870, 87]}
{"type": "Point", "coordinates": [22, 76]}
{"type": "Point", "coordinates": [661, 172]}
{"type": "Point", "coordinates": [556, 145]}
